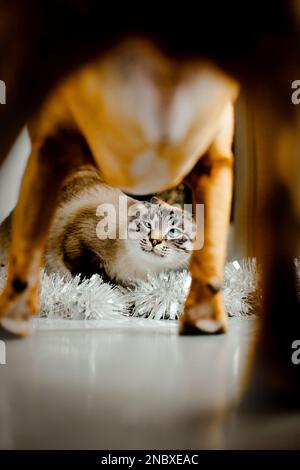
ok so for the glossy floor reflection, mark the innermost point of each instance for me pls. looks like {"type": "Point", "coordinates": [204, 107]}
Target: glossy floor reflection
{"type": "Point", "coordinates": [127, 385]}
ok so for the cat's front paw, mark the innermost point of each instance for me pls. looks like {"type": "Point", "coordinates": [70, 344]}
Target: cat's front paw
{"type": "Point", "coordinates": [204, 317]}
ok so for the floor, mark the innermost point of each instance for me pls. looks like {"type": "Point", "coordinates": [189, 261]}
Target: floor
{"type": "Point", "coordinates": [131, 384]}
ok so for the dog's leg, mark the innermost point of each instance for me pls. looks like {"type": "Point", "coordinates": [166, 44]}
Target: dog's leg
{"type": "Point", "coordinates": [50, 162]}
{"type": "Point", "coordinates": [211, 182]}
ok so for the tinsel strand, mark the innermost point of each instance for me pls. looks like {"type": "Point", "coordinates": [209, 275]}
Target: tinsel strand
{"type": "Point", "coordinates": [161, 296]}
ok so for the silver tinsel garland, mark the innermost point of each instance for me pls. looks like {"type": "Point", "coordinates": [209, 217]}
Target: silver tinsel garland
{"type": "Point", "coordinates": [160, 297]}
{"type": "Point", "coordinates": [69, 298]}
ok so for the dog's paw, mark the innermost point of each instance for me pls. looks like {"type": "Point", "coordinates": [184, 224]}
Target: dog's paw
{"type": "Point", "coordinates": [15, 327]}
{"type": "Point", "coordinates": [16, 315]}
{"type": "Point", "coordinates": [204, 318]}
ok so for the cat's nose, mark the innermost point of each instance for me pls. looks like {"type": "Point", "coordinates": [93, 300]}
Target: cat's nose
{"type": "Point", "coordinates": [154, 241]}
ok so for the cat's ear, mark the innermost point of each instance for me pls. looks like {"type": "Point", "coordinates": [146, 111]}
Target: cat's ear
{"type": "Point", "coordinates": [155, 200]}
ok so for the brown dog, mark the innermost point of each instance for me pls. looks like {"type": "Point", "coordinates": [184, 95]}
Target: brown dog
{"type": "Point", "coordinates": [146, 118]}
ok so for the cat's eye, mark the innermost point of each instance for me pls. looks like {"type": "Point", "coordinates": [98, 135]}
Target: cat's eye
{"type": "Point", "coordinates": [147, 224]}
{"type": "Point", "coordinates": [174, 233]}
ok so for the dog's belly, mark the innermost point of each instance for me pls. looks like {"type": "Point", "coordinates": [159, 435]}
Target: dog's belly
{"type": "Point", "coordinates": [158, 168]}
{"type": "Point", "coordinates": [147, 118]}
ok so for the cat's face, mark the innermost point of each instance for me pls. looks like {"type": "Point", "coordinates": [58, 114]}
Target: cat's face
{"type": "Point", "coordinates": [161, 234]}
